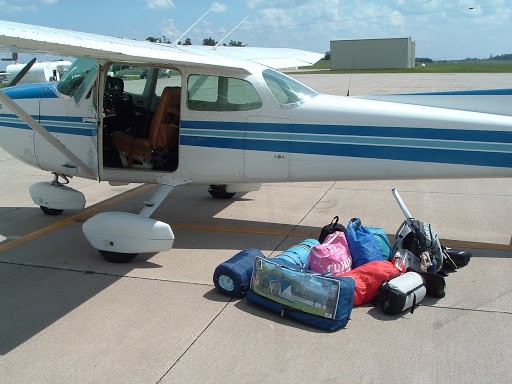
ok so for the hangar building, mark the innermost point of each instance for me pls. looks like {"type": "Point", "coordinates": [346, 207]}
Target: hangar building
{"type": "Point", "coordinates": [373, 53]}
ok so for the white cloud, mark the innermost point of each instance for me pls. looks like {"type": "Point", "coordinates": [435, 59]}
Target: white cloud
{"type": "Point", "coordinates": [218, 7]}
{"type": "Point", "coordinates": [19, 6]}
{"type": "Point", "coordinates": [157, 4]}
{"type": "Point", "coordinates": [169, 30]}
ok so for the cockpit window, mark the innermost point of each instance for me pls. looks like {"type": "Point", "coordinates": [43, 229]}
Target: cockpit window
{"type": "Point", "coordinates": [285, 89]}
{"type": "Point", "coordinates": [75, 76]}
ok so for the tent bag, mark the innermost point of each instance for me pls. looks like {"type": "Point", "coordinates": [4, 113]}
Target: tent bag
{"type": "Point", "coordinates": [312, 299]}
{"type": "Point", "coordinates": [401, 293]}
{"type": "Point", "coordinates": [233, 277]}
{"type": "Point", "coordinates": [363, 247]}
{"type": "Point", "coordinates": [334, 226]}
{"type": "Point", "coordinates": [369, 277]}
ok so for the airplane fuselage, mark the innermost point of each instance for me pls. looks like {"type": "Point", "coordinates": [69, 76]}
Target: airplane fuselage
{"type": "Point", "coordinates": [318, 137]}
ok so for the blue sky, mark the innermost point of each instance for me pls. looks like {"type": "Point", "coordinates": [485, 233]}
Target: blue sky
{"type": "Point", "coordinates": [442, 29]}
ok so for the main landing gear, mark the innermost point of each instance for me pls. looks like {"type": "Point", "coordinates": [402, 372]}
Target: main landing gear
{"type": "Point", "coordinates": [120, 236]}
{"type": "Point", "coordinates": [220, 192]}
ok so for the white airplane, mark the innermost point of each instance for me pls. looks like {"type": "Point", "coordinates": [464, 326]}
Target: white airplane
{"type": "Point", "coordinates": [223, 118]}
{"type": "Point", "coordinates": [39, 72]}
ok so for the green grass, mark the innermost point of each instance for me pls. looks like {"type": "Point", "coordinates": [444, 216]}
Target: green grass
{"type": "Point", "coordinates": [438, 67]}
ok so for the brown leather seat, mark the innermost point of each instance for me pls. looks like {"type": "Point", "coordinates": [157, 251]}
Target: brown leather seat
{"type": "Point", "coordinates": [163, 131]}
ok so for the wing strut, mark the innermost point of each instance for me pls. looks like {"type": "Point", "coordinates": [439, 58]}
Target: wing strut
{"type": "Point", "coordinates": [29, 120]}
{"type": "Point", "coordinates": [233, 30]}
{"type": "Point", "coordinates": [193, 25]}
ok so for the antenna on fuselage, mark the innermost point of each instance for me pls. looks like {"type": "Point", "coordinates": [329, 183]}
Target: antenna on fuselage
{"type": "Point", "coordinates": [350, 78]}
{"type": "Point", "coordinates": [193, 25]}
{"type": "Point", "coordinates": [230, 32]}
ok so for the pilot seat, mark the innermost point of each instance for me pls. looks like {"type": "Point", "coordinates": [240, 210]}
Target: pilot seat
{"type": "Point", "coordinates": [159, 150]}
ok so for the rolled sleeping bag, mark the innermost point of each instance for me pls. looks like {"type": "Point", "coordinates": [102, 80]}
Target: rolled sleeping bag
{"type": "Point", "coordinates": [298, 254]}
{"type": "Point", "coordinates": [233, 277]}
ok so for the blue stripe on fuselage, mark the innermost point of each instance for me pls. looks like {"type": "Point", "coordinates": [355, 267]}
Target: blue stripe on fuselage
{"type": "Point", "coordinates": [359, 130]}
{"type": "Point", "coordinates": [31, 91]}
{"type": "Point", "coordinates": [495, 148]}
{"type": "Point", "coordinates": [71, 125]}
{"type": "Point", "coordinates": [481, 92]}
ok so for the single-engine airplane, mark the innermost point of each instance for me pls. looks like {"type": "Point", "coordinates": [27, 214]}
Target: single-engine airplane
{"type": "Point", "coordinates": [130, 111]}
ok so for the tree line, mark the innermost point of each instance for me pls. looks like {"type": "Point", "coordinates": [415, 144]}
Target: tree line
{"type": "Point", "coordinates": [188, 41]}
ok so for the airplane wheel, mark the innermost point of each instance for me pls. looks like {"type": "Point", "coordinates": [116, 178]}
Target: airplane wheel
{"type": "Point", "coordinates": [219, 192]}
{"type": "Point", "coordinates": [51, 211]}
{"type": "Point", "coordinates": [117, 257]}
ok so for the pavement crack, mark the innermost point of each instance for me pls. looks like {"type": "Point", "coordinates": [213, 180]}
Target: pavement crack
{"type": "Point", "coordinates": [304, 217]}
{"type": "Point", "coordinates": [111, 274]}
{"type": "Point", "coordinates": [194, 341]}
{"type": "Point", "coordinates": [470, 309]}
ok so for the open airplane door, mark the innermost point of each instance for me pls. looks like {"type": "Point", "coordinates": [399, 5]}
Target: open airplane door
{"type": "Point", "coordinates": [73, 120]}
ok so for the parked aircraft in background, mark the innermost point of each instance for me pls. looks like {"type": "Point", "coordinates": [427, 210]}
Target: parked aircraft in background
{"type": "Point", "coordinates": [39, 72]}
{"type": "Point", "coordinates": [223, 118]}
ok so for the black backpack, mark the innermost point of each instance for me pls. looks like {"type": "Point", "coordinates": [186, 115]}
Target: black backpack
{"type": "Point", "coordinates": [331, 228]}
{"type": "Point", "coordinates": [417, 237]}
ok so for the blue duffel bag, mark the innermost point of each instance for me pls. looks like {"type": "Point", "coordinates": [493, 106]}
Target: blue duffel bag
{"type": "Point", "coordinates": [316, 300]}
{"type": "Point", "coordinates": [382, 241]}
{"type": "Point", "coordinates": [233, 277]}
{"type": "Point", "coordinates": [361, 242]}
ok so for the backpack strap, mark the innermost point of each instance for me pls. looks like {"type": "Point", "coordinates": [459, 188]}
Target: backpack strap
{"type": "Point", "coordinates": [413, 291]}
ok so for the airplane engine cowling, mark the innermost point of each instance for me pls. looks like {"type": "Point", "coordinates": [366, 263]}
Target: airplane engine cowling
{"type": "Point", "coordinates": [123, 232]}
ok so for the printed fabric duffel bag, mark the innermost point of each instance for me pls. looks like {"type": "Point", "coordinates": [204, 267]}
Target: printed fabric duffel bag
{"type": "Point", "coordinates": [319, 301]}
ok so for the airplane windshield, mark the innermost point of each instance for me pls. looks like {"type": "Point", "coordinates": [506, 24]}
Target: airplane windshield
{"type": "Point", "coordinates": [75, 76]}
{"type": "Point", "coordinates": [285, 89]}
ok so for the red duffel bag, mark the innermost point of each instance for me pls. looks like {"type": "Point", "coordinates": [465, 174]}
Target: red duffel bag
{"type": "Point", "coordinates": [369, 277]}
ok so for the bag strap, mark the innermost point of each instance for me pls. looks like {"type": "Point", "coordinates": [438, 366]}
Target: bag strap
{"type": "Point", "coordinates": [334, 222]}
{"type": "Point", "coordinates": [413, 291]}
{"type": "Point", "coordinates": [413, 303]}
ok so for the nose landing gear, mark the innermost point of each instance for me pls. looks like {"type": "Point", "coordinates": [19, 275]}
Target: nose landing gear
{"type": "Point", "coordinates": [54, 197]}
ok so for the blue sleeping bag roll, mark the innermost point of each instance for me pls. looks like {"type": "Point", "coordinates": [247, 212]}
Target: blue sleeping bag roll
{"type": "Point", "coordinates": [233, 277]}
{"type": "Point", "coordinates": [298, 254]}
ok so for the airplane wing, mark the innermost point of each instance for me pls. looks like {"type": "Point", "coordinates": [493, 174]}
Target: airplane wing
{"type": "Point", "coordinates": [26, 38]}
{"type": "Point", "coordinates": [270, 57]}
{"type": "Point", "coordinates": [494, 101]}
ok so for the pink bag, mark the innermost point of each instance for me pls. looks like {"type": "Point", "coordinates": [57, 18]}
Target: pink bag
{"type": "Point", "coordinates": [339, 239]}
{"type": "Point", "coordinates": [331, 256]}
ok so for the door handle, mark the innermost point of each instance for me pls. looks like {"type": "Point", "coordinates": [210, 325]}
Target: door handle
{"type": "Point", "coordinates": [89, 120]}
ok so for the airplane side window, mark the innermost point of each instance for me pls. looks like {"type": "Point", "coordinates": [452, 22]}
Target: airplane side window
{"type": "Point", "coordinates": [214, 93]}
{"type": "Point", "coordinates": [242, 93]}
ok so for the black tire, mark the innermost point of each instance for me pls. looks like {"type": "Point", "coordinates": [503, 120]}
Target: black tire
{"type": "Point", "coordinates": [117, 257]}
{"type": "Point", "coordinates": [51, 211]}
{"type": "Point", "coordinates": [219, 192]}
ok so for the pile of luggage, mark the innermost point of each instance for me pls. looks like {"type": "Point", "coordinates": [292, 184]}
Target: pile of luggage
{"type": "Point", "coordinates": [318, 282]}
